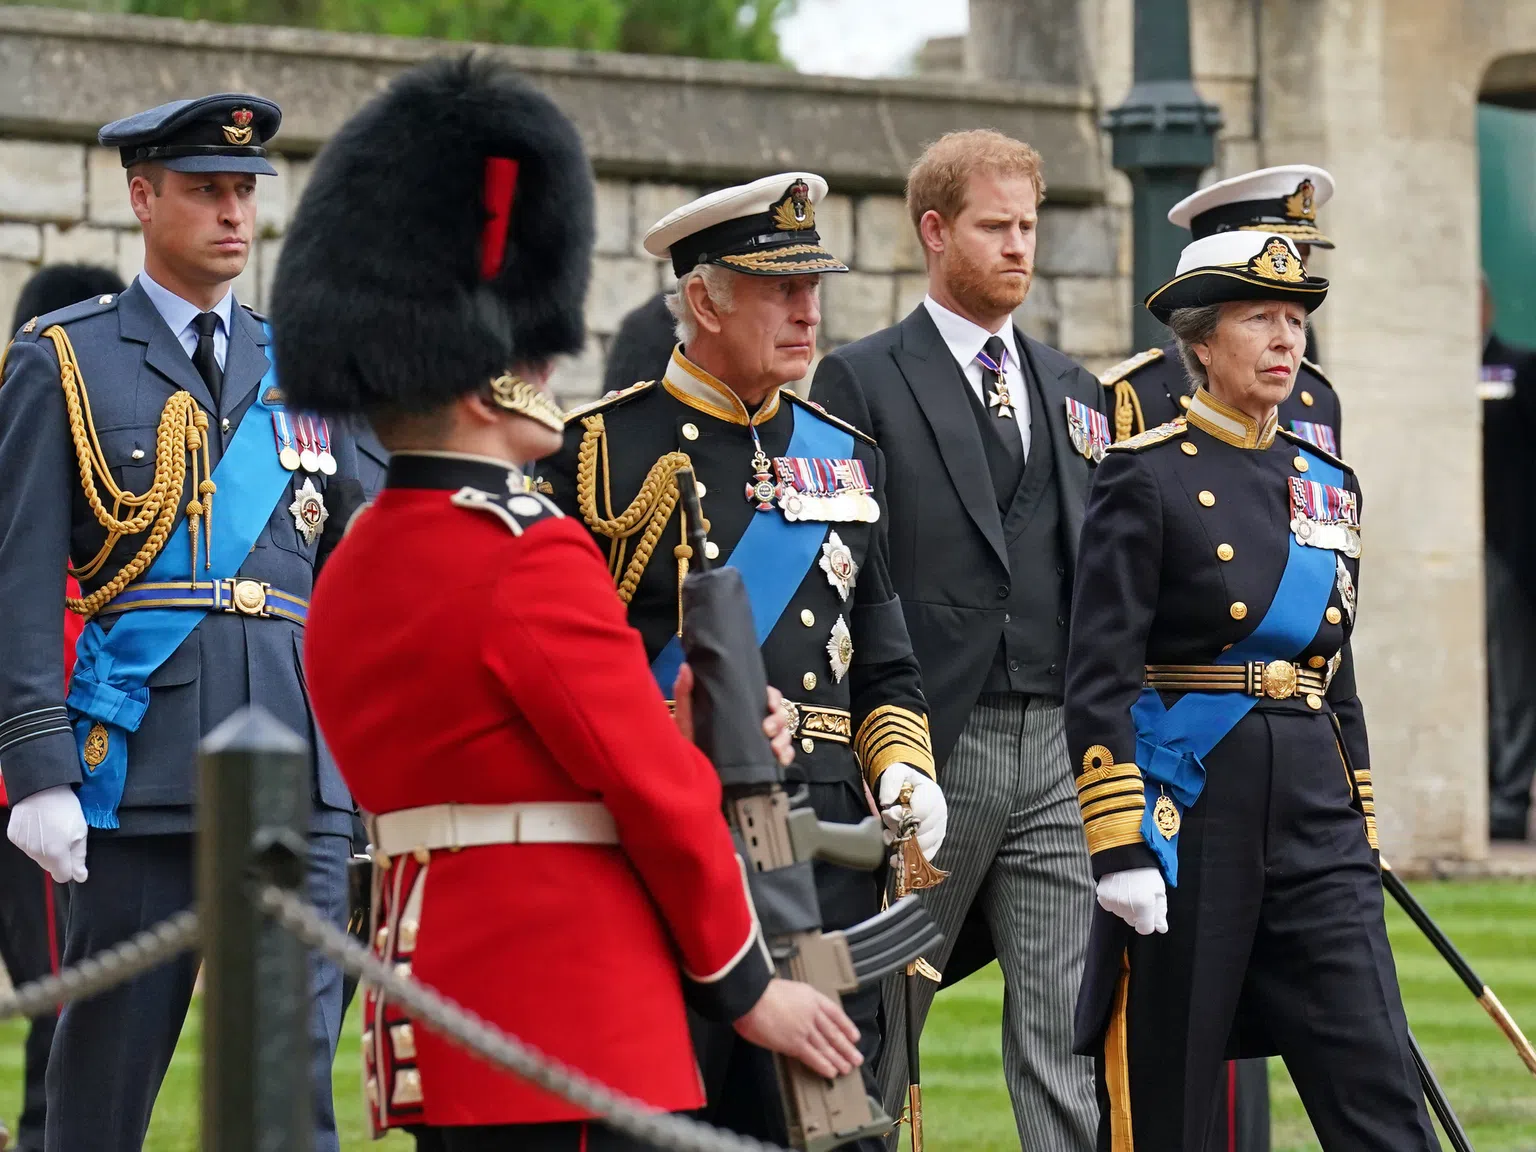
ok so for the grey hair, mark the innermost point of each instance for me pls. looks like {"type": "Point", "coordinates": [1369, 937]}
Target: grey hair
{"type": "Point", "coordinates": [719, 285]}
{"type": "Point", "coordinates": [1192, 326]}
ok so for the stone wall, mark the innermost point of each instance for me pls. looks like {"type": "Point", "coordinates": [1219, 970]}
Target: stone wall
{"type": "Point", "coordinates": [659, 133]}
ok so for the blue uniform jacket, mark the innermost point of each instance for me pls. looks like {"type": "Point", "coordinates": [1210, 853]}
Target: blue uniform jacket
{"type": "Point", "coordinates": [131, 365]}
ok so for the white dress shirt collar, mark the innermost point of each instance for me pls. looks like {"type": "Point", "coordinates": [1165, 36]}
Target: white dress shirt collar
{"type": "Point", "coordinates": [964, 338]}
{"type": "Point", "coordinates": [179, 314]}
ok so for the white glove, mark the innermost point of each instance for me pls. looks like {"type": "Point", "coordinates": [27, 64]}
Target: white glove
{"type": "Point", "coordinates": [929, 808]}
{"type": "Point", "coordinates": [50, 827]}
{"type": "Point", "coordinates": [1138, 896]}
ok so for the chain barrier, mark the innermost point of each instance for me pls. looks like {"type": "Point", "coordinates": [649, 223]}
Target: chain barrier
{"type": "Point", "coordinates": [634, 1119]}
{"type": "Point", "coordinates": [106, 969]}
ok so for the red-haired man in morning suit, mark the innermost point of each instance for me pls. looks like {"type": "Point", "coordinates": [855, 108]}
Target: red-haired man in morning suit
{"type": "Point", "coordinates": [549, 845]}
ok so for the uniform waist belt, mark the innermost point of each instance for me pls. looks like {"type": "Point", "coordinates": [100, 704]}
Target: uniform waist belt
{"type": "Point", "coordinates": [238, 595]}
{"type": "Point", "coordinates": [1278, 679]}
{"type": "Point", "coordinates": [455, 826]}
{"type": "Point", "coordinates": [834, 724]}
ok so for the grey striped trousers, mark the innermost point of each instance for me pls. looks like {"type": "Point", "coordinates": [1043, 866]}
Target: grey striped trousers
{"type": "Point", "coordinates": [1016, 845]}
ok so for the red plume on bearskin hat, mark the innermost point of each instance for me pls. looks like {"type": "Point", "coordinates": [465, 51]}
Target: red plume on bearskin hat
{"type": "Point", "coordinates": [444, 238]}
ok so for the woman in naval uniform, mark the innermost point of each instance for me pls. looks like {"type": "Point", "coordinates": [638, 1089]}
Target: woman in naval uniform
{"type": "Point", "coordinates": [1224, 774]}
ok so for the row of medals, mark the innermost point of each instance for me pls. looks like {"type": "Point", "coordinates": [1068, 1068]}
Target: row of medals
{"type": "Point", "coordinates": [312, 454]}
{"type": "Point", "coordinates": [850, 504]}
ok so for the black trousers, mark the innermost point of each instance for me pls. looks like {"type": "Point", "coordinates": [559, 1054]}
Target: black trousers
{"type": "Point", "coordinates": [1277, 944]}
{"type": "Point", "coordinates": [1511, 697]}
{"type": "Point", "coordinates": [1240, 1119]}
{"type": "Point", "coordinates": [739, 1078]}
{"type": "Point", "coordinates": [31, 936]}
{"type": "Point", "coordinates": [572, 1136]}
{"type": "Point", "coordinates": [110, 1052]}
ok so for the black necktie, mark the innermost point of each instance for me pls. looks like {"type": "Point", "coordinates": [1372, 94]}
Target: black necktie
{"type": "Point", "coordinates": [1005, 429]}
{"type": "Point", "coordinates": [203, 358]}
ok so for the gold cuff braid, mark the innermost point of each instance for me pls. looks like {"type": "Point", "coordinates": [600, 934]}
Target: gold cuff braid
{"type": "Point", "coordinates": [1112, 799]}
{"type": "Point", "coordinates": [893, 735]}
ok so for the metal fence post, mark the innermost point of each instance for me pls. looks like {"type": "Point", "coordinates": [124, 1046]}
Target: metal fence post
{"type": "Point", "coordinates": [1164, 137]}
{"type": "Point", "coordinates": [253, 819]}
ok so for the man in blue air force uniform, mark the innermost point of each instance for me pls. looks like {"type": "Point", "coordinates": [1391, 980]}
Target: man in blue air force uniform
{"type": "Point", "coordinates": [144, 440]}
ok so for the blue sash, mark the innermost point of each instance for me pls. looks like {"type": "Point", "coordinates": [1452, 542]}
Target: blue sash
{"type": "Point", "coordinates": [773, 554]}
{"type": "Point", "coordinates": [112, 668]}
{"type": "Point", "coordinates": [1171, 743]}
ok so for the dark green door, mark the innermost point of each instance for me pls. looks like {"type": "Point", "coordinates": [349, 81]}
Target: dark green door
{"type": "Point", "coordinates": [1506, 140]}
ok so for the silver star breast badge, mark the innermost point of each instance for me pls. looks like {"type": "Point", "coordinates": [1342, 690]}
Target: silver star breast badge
{"type": "Point", "coordinates": [309, 511]}
{"type": "Point", "coordinates": [840, 649]}
{"type": "Point", "coordinates": [837, 563]}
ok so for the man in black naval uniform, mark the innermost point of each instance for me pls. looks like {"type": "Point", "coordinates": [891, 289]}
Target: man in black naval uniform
{"type": "Point", "coordinates": [1152, 387]}
{"type": "Point", "coordinates": [792, 499]}
{"type": "Point", "coordinates": [144, 440]}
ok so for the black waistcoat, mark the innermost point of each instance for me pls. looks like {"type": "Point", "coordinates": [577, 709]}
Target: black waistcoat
{"type": "Point", "coordinates": [1031, 657]}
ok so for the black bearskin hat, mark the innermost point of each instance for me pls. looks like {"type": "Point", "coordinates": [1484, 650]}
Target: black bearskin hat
{"type": "Point", "coordinates": [60, 285]}
{"type": "Point", "coordinates": [443, 239]}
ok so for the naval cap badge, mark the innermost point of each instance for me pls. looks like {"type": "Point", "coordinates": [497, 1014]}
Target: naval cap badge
{"type": "Point", "coordinates": [795, 212]}
{"type": "Point", "coordinates": [837, 562]}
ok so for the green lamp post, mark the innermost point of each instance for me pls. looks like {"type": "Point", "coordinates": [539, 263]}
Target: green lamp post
{"type": "Point", "coordinates": [1164, 136]}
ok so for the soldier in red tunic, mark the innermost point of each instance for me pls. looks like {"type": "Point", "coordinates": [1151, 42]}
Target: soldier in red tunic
{"type": "Point", "coordinates": [549, 846]}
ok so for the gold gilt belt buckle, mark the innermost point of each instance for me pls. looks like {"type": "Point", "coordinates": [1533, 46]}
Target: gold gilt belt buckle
{"type": "Point", "coordinates": [1277, 679]}
{"type": "Point", "coordinates": [245, 597]}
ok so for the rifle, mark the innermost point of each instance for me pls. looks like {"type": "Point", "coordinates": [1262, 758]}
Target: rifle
{"type": "Point", "coordinates": [779, 842]}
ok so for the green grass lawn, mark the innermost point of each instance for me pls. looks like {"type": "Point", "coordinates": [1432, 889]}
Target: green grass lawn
{"type": "Point", "coordinates": [967, 1110]}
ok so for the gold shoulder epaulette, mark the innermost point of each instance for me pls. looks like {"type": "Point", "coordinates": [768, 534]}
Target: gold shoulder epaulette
{"type": "Point", "coordinates": [1152, 436]}
{"type": "Point", "coordinates": [608, 400]}
{"type": "Point", "coordinates": [1316, 371]}
{"type": "Point", "coordinates": [1123, 369]}
{"type": "Point", "coordinates": [827, 416]}
{"type": "Point", "coordinates": [1302, 441]}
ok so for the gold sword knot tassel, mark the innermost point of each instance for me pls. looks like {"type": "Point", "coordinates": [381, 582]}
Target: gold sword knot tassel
{"type": "Point", "coordinates": [915, 873]}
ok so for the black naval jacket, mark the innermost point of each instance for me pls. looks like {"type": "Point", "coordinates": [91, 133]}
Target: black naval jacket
{"type": "Point", "coordinates": [1186, 537]}
{"type": "Point", "coordinates": [875, 715]}
{"type": "Point", "coordinates": [1152, 388]}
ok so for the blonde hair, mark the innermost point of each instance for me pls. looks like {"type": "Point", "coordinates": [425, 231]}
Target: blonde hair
{"type": "Point", "coordinates": [942, 175]}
